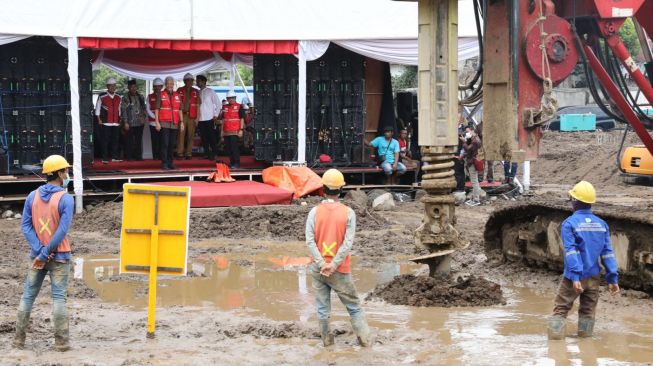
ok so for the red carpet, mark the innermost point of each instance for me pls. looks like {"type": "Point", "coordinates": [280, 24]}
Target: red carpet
{"type": "Point", "coordinates": [239, 193]}
{"type": "Point", "coordinates": [198, 164]}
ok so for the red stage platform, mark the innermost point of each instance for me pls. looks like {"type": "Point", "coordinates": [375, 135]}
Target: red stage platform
{"type": "Point", "coordinates": [151, 166]}
{"type": "Point", "coordinates": [239, 193]}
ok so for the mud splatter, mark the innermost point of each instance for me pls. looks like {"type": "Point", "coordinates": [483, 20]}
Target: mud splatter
{"type": "Point", "coordinates": [428, 291]}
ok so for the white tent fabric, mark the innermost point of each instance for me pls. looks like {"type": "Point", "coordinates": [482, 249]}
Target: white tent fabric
{"type": "Point", "coordinates": [148, 72]}
{"type": "Point", "coordinates": [78, 183]}
{"type": "Point", "coordinates": [11, 38]}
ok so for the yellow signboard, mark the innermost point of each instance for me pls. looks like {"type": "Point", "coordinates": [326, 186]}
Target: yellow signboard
{"type": "Point", "coordinates": [154, 235]}
{"type": "Point", "coordinates": [149, 207]}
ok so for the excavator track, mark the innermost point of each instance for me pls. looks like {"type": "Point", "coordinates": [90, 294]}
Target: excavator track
{"type": "Point", "coordinates": [530, 232]}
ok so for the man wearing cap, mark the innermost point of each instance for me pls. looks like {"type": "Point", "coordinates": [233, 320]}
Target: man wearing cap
{"type": "Point", "coordinates": [107, 111]}
{"type": "Point", "coordinates": [330, 230]}
{"type": "Point", "coordinates": [168, 116]}
{"type": "Point", "coordinates": [233, 117]}
{"type": "Point", "coordinates": [190, 102]}
{"type": "Point", "coordinates": [152, 100]}
{"type": "Point", "coordinates": [387, 155]}
{"type": "Point", "coordinates": [586, 240]}
{"type": "Point", "coordinates": [47, 215]}
{"type": "Point", "coordinates": [208, 117]}
{"type": "Point", "coordinates": [133, 116]}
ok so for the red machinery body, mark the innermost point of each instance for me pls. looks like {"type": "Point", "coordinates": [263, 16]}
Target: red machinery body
{"type": "Point", "coordinates": [534, 48]}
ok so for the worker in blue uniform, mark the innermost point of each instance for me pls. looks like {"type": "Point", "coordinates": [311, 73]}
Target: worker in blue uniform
{"type": "Point", "coordinates": [586, 241]}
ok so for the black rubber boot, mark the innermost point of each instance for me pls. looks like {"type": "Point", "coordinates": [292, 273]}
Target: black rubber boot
{"type": "Point", "coordinates": [556, 328]}
{"type": "Point", "coordinates": [61, 333]}
{"type": "Point", "coordinates": [22, 321]}
{"type": "Point", "coordinates": [325, 332]}
{"type": "Point", "coordinates": [585, 327]}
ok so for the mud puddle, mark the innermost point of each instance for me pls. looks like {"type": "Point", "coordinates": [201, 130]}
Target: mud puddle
{"type": "Point", "coordinates": [279, 288]}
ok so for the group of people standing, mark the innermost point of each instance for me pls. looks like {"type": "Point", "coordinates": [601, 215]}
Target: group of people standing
{"type": "Point", "coordinates": [173, 117]}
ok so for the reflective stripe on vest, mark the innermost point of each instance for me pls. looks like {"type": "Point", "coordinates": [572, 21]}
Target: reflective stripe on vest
{"type": "Point", "coordinates": [110, 108]}
{"type": "Point", "coordinates": [45, 219]}
{"type": "Point", "coordinates": [330, 228]}
{"type": "Point", "coordinates": [194, 100]}
{"type": "Point", "coordinates": [231, 115]}
{"type": "Point", "coordinates": [169, 111]}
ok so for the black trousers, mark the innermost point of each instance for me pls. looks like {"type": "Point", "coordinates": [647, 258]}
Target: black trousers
{"type": "Point", "coordinates": [209, 140]}
{"type": "Point", "coordinates": [459, 173]}
{"type": "Point", "coordinates": [155, 138]}
{"type": "Point", "coordinates": [233, 149]}
{"type": "Point", "coordinates": [134, 143]}
{"type": "Point", "coordinates": [110, 139]}
{"type": "Point", "coordinates": [168, 142]}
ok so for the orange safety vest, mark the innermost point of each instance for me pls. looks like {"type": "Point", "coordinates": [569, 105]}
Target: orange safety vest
{"type": "Point", "coordinates": [231, 115]}
{"type": "Point", "coordinates": [169, 111]}
{"type": "Point", "coordinates": [45, 219]}
{"type": "Point", "coordinates": [194, 100]}
{"type": "Point", "coordinates": [330, 227]}
{"type": "Point", "coordinates": [152, 100]}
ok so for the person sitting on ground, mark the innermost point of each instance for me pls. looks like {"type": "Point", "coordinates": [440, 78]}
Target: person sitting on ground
{"type": "Point", "coordinates": [387, 155]}
{"type": "Point", "coordinates": [586, 240]}
{"type": "Point", "coordinates": [472, 145]}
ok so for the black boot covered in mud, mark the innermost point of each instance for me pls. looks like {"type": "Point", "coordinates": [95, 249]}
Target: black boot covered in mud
{"type": "Point", "coordinates": [61, 333]}
{"type": "Point", "coordinates": [361, 330]}
{"type": "Point", "coordinates": [325, 332]}
{"type": "Point", "coordinates": [556, 328]}
{"type": "Point", "coordinates": [22, 320]}
{"type": "Point", "coordinates": [585, 327]}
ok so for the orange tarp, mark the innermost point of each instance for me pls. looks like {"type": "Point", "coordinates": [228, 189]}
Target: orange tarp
{"type": "Point", "coordinates": [299, 180]}
{"type": "Point", "coordinates": [221, 174]}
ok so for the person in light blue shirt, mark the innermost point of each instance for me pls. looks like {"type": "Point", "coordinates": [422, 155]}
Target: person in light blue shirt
{"type": "Point", "coordinates": [586, 240]}
{"type": "Point", "coordinates": [386, 151]}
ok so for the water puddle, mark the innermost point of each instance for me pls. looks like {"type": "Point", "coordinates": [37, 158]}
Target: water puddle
{"type": "Point", "coordinates": [279, 288]}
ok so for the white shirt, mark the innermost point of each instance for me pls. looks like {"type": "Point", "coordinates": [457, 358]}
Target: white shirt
{"type": "Point", "coordinates": [210, 106]}
{"type": "Point", "coordinates": [98, 108]}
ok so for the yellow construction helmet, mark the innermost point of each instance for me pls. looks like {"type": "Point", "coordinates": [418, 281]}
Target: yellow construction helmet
{"type": "Point", "coordinates": [53, 163]}
{"type": "Point", "coordinates": [583, 191]}
{"type": "Point", "coordinates": [333, 179]}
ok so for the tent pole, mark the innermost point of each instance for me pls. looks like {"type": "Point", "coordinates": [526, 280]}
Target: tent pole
{"type": "Point", "coordinates": [242, 83]}
{"type": "Point", "coordinates": [301, 106]}
{"type": "Point", "coordinates": [78, 182]}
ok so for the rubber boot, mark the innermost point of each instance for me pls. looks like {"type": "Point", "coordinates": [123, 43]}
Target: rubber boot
{"type": "Point", "coordinates": [556, 327]}
{"type": "Point", "coordinates": [361, 330]}
{"type": "Point", "coordinates": [61, 333]}
{"type": "Point", "coordinates": [325, 333]}
{"type": "Point", "coordinates": [22, 320]}
{"type": "Point", "coordinates": [585, 327]}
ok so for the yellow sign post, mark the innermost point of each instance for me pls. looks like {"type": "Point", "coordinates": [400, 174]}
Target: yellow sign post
{"type": "Point", "coordinates": [154, 235]}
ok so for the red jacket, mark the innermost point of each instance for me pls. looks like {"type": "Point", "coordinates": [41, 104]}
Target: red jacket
{"type": "Point", "coordinates": [194, 100]}
{"type": "Point", "coordinates": [151, 99]}
{"type": "Point", "coordinates": [231, 116]}
{"type": "Point", "coordinates": [110, 111]}
{"type": "Point", "coordinates": [169, 111]}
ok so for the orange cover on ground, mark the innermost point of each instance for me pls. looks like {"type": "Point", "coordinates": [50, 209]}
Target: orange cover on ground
{"type": "Point", "coordinates": [299, 180]}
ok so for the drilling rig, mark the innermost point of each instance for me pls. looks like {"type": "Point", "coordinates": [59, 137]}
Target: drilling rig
{"type": "Point", "coordinates": [527, 47]}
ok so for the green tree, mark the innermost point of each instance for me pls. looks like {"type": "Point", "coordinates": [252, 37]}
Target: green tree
{"type": "Point", "coordinates": [629, 36]}
{"type": "Point", "coordinates": [247, 74]}
{"type": "Point", "coordinates": [406, 80]}
{"type": "Point", "coordinates": [103, 73]}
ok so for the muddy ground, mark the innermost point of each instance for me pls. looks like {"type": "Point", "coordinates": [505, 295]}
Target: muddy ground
{"type": "Point", "coordinates": [253, 311]}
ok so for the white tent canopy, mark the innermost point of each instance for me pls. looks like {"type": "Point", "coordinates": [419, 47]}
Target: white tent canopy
{"type": "Point", "coordinates": [382, 29]}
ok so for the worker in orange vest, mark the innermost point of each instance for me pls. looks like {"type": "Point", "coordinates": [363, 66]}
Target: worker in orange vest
{"type": "Point", "coordinates": [47, 216]}
{"type": "Point", "coordinates": [233, 116]}
{"type": "Point", "coordinates": [167, 117]}
{"type": "Point", "coordinates": [190, 102]}
{"type": "Point", "coordinates": [330, 230]}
